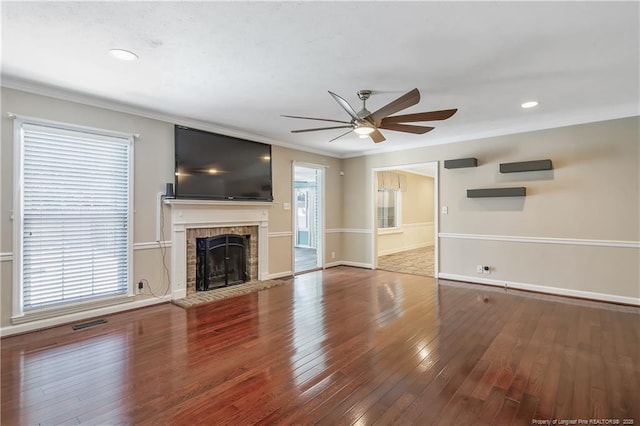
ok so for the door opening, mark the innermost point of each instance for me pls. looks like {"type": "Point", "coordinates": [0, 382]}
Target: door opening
{"type": "Point", "coordinates": [307, 217]}
{"type": "Point", "coordinates": [405, 211]}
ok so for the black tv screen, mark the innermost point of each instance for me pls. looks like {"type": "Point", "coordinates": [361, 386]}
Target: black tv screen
{"type": "Point", "coordinates": [218, 167]}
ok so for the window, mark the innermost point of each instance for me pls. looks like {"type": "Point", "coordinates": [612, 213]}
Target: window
{"type": "Point", "coordinates": [388, 209]}
{"type": "Point", "coordinates": [74, 202]}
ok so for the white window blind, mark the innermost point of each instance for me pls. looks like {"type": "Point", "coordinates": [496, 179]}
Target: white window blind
{"type": "Point", "coordinates": [75, 212]}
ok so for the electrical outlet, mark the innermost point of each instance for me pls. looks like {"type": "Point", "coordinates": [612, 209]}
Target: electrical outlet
{"type": "Point", "coordinates": [333, 254]}
{"type": "Point", "coordinates": [479, 269]}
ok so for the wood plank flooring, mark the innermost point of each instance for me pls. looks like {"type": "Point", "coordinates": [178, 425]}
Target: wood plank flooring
{"type": "Point", "coordinates": [340, 346]}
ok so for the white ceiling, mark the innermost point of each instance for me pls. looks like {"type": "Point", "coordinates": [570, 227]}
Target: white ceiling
{"type": "Point", "coordinates": [236, 66]}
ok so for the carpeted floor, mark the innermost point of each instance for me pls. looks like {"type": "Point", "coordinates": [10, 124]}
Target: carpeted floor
{"type": "Point", "coordinates": [201, 297]}
{"type": "Point", "coordinates": [417, 262]}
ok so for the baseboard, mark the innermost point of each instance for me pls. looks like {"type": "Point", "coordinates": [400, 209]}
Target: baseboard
{"type": "Point", "coordinates": [602, 297]}
{"type": "Point", "coordinates": [405, 248]}
{"type": "Point", "coordinates": [355, 264]}
{"type": "Point", "coordinates": [179, 294]}
{"type": "Point", "coordinates": [279, 275]}
{"type": "Point", "coordinates": [332, 264]}
{"type": "Point", "coordinates": [79, 316]}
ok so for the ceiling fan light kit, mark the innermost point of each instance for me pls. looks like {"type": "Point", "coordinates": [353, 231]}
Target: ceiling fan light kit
{"type": "Point", "coordinates": [366, 123]}
{"type": "Point", "coordinates": [364, 130]}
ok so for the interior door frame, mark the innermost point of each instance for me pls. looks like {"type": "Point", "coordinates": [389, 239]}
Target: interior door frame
{"type": "Point", "coordinates": [436, 211]}
{"type": "Point", "coordinates": [321, 212]}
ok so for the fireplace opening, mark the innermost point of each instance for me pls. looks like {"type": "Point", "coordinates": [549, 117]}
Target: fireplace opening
{"type": "Point", "coordinates": [221, 261]}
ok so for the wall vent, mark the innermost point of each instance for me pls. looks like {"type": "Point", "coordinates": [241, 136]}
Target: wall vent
{"type": "Point", "coordinates": [88, 324]}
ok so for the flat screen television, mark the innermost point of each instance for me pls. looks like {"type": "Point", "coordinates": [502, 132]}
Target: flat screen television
{"type": "Point", "coordinates": [218, 167]}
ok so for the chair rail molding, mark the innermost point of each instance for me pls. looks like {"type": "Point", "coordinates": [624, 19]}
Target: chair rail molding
{"type": "Point", "coordinates": [151, 245]}
{"type": "Point", "coordinates": [280, 234]}
{"type": "Point", "coordinates": [543, 240]}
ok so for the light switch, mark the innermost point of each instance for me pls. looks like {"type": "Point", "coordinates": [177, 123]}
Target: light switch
{"type": "Point", "coordinates": [445, 210]}
{"type": "Point", "coordinates": [286, 206]}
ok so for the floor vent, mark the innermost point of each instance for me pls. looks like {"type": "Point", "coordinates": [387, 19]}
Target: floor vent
{"type": "Point", "coordinates": [88, 324]}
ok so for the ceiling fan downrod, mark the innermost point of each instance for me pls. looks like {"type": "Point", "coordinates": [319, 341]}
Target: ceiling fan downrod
{"type": "Point", "coordinates": [363, 95]}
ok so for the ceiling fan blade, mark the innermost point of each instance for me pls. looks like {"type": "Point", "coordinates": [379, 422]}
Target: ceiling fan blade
{"type": "Point", "coordinates": [408, 128]}
{"type": "Point", "coordinates": [344, 104]}
{"type": "Point", "coordinates": [321, 128]}
{"type": "Point", "coordinates": [376, 136]}
{"type": "Point", "coordinates": [318, 119]}
{"type": "Point", "coordinates": [344, 134]}
{"type": "Point", "coordinates": [420, 116]}
{"type": "Point", "coordinates": [405, 101]}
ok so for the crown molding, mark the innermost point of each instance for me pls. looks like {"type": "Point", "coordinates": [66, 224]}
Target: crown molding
{"type": "Point", "coordinates": [512, 127]}
{"type": "Point", "coordinates": [99, 102]}
{"type": "Point", "coordinates": [488, 130]}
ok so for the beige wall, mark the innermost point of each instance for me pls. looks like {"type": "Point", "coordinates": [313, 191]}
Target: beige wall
{"type": "Point", "coordinates": [280, 220]}
{"type": "Point", "coordinates": [592, 194]}
{"type": "Point", "coordinates": [153, 167]}
{"type": "Point", "coordinates": [417, 201]}
{"type": "Point", "coordinates": [586, 206]}
{"type": "Point", "coordinates": [416, 222]}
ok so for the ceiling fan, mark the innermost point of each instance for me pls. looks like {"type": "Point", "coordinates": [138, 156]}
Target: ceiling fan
{"type": "Point", "coordinates": [366, 123]}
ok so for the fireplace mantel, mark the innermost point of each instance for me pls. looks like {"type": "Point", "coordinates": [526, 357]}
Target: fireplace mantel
{"type": "Point", "coordinates": [185, 202]}
{"type": "Point", "coordinates": [187, 214]}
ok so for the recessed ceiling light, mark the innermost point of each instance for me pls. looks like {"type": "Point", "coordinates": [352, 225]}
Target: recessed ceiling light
{"type": "Point", "coordinates": [530, 104]}
{"type": "Point", "coordinates": [123, 55]}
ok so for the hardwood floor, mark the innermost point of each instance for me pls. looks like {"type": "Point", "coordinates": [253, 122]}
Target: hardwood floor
{"type": "Point", "coordinates": [340, 346]}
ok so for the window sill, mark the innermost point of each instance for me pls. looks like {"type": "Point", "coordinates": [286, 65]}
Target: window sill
{"type": "Point", "coordinates": [71, 308]}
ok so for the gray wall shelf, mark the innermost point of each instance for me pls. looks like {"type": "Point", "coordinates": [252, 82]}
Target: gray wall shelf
{"type": "Point", "coordinates": [526, 166]}
{"type": "Point", "coordinates": [460, 163]}
{"type": "Point", "coordinates": [497, 192]}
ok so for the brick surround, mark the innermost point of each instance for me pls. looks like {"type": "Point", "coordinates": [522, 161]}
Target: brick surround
{"type": "Point", "coordinates": [193, 233]}
{"type": "Point", "coordinates": [209, 218]}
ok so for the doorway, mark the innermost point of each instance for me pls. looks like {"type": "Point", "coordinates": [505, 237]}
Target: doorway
{"type": "Point", "coordinates": [405, 211]}
{"type": "Point", "coordinates": [307, 217]}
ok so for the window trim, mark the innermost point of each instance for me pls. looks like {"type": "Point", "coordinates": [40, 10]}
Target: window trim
{"type": "Point", "coordinates": [18, 313]}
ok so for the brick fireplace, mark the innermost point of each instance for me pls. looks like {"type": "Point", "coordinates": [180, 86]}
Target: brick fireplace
{"type": "Point", "coordinates": [193, 234]}
{"type": "Point", "coordinates": [192, 219]}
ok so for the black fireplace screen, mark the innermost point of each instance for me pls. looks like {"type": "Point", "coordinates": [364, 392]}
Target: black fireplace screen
{"type": "Point", "coordinates": [221, 261]}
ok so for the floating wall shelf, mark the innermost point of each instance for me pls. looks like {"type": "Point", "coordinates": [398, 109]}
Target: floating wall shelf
{"type": "Point", "coordinates": [497, 192]}
{"type": "Point", "coordinates": [526, 166]}
{"type": "Point", "coordinates": [460, 163]}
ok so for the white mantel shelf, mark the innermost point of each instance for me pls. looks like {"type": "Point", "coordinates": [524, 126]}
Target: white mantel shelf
{"type": "Point", "coordinates": [231, 203]}
{"type": "Point", "coordinates": [187, 214]}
